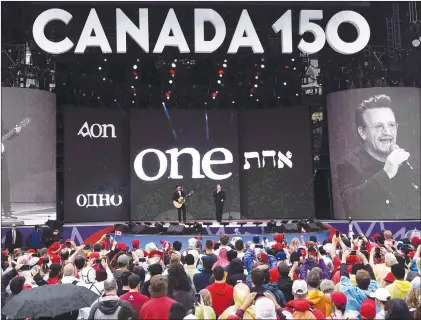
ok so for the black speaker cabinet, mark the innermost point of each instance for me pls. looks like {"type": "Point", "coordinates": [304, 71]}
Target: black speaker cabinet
{"type": "Point", "coordinates": [176, 229]}
{"type": "Point", "coordinates": [311, 227]}
{"type": "Point", "coordinates": [139, 229]}
{"type": "Point", "coordinates": [124, 228]}
{"type": "Point", "coordinates": [288, 228]}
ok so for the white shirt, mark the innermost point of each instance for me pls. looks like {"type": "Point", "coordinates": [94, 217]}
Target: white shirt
{"type": "Point", "coordinates": [380, 315]}
{"type": "Point", "coordinates": [14, 236]}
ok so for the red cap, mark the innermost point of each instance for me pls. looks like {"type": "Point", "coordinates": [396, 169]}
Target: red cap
{"type": "Point", "coordinates": [55, 259]}
{"type": "Point", "coordinates": [375, 236]}
{"type": "Point", "coordinates": [263, 257]}
{"type": "Point", "coordinates": [352, 260]}
{"type": "Point", "coordinates": [94, 255]}
{"type": "Point", "coordinates": [368, 309]}
{"type": "Point", "coordinates": [122, 246]}
{"type": "Point", "coordinates": [415, 240]}
{"type": "Point", "coordinates": [338, 298]}
{"type": "Point", "coordinates": [389, 277]}
{"type": "Point", "coordinates": [278, 237]}
{"type": "Point", "coordinates": [156, 253]}
{"type": "Point", "coordinates": [31, 251]}
{"type": "Point", "coordinates": [54, 249]}
{"type": "Point", "coordinates": [136, 243]}
{"type": "Point", "coordinates": [330, 238]}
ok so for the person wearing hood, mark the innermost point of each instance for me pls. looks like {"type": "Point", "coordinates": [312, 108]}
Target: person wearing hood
{"type": "Point", "coordinates": [320, 301]}
{"type": "Point", "coordinates": [222, 259]}
{"type": "Point", "coordinates": [285, 282]}
{"type": "Point", "coordinates": [88, 280]}
{"type": "Point", "coordinates": [399, 289]}
{"type": "Point", "coordinates": [235, 272]}
{"type": "Point", "coordinates": [108, 306]}
{"type": "Point", "coordinates": [365, 283]}
{"type": "Point", "coordinates": [253, 255]}
{"type": "Point", "coordinates": [241, 292]}
{"type": "Point", "coordinates": [202, 280]}
{"type": "Point", "coordinates": [221, 292]}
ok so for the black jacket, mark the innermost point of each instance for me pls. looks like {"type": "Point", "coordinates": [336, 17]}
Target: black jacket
{"type": "Point", "coordinates": [9, 240]}
{"type": "Point", "coordinates": [285, 285]}
{"type": "Point", "coordinates": [176, 195]}
{"type": "Point", "coordinates": [365, 187]}
{"type": "Point", "coordinates": [219, 197]}
{"type": "Point", "coordinates": [235, 272]}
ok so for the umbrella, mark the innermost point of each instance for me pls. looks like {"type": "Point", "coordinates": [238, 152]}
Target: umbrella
{"type": "Point", "coordinates": [48, 301]}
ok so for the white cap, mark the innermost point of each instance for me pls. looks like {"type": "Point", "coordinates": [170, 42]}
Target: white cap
{"type": "Point", "coordinates": [150, 247]}
{"type": "Point", "coordinates": [265, 309]}
{"type": "Point", "coordinates": [382, 294]}
{"type": "Point", "coordinates": [416, 283]}
{"type": "Point", "coordinates": [299, 287]}
{"type": "Point", "coordinates": [327, 247]}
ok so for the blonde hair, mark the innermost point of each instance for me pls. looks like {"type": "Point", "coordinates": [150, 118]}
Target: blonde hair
{"type": "Point", "coordinates": [204, 309]}
{"type": "Point", "coordinates": [387, 234]}
{"type": "Point", "coordinates": [205, 297]}
{"type": "Point", "coordinates": [413, 299]}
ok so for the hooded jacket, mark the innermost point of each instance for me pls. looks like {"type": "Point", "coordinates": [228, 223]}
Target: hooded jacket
{"type": "Point", "coordinates": [107, 307]}
{"type": "Point", "coordinates": [399, 289]}
{"type": "Point", "coordinates": [321, 302]}
{"type": "Point", "coordinates": [235, 272]}
{"type": "Point", "coordinates": [301, 305]}
{"type": "Point", "coordinates": [222, 296]}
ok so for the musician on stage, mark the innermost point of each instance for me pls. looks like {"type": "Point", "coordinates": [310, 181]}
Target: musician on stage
{"type": "Point", "coordinates": [176, 195]}
{"type": "Point", "coordinates": [5, 184]}
{"type": "Point", "coordinates": [219, 198]}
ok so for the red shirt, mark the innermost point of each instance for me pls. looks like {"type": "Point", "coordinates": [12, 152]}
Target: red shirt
{"type": "Point", "coordinates": [274, 275]}
{"type": "Point", "coordinates": [156, 308]}
{"type": "Point", "coordinates": [222, 296]}
{"type": "Point", "coordinates": [136, 299]}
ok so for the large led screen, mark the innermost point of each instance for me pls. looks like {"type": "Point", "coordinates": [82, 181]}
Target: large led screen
{"type": "Point", "coordinates": [374, 138]}
{"type": "Point", "coordinates": [276, 164]}
{"type": "Point", "coordinates": [96, 165]}
{"type": "Point", "coordinates": [196, 149]}
{"type": "Point", "coordinates": [28, 156]}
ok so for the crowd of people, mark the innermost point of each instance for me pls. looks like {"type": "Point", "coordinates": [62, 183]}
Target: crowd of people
{"type": "Point", "coordinates": [340, 278]}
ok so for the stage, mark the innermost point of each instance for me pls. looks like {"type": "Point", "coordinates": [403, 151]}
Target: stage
{"type": "Point", "coordinates": [33, 213]}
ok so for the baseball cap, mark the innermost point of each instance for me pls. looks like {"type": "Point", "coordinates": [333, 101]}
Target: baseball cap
{"type": "Point", "coordinates": [299, 287]}
{"type": "Point", "coordinates": [368, 309]}
{"type": "Point", "coordinates": [123, 259]}
{"type": "Point", "coordinates": [281, 256]}
{"type": "Point", "coordinates": [382, 294]}
{"type": "Point", "coordinates": [338, 298]}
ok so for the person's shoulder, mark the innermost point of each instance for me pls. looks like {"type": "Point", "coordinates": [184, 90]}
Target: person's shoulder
{"type": "Point", "coordinates": [350, 157]}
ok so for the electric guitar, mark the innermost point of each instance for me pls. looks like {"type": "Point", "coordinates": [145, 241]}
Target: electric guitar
{"type": "Point", "coordinates": [180, 201]}
{"type": "Point", "coordinates": [22, 124]}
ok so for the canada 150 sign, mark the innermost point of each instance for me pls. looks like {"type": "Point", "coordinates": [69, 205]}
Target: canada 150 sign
{"type": "Point", "coordinates": [171, 34]}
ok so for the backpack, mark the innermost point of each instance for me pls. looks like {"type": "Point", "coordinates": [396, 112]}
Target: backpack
{"type": "Point", "coordinates": [303, 315]}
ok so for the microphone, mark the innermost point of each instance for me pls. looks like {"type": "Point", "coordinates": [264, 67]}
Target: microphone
{"type": "Point", "coordinates": [394, 147]}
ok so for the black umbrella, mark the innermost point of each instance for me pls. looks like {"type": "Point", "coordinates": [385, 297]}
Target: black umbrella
{"type": "Point", "coordinates": [48, 301]}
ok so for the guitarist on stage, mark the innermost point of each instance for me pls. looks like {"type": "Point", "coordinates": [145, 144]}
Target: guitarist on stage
{"type": "Point", "coordinates": [5, 185]}
{"type": "Point", "coordinates": [219, 197]}
{"type": "Point", "coordinates": [176, 195]}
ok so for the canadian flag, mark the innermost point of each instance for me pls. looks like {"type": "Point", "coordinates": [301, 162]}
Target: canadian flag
{"type": "Point", "coordinates": [118, 233]}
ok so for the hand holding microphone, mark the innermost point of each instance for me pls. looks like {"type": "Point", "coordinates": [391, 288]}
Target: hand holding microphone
{"type": "Point", "coordinates": [395, 159]}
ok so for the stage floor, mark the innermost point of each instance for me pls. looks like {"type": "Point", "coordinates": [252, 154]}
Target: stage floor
{"type": "Point", "coordinates": [34, 213]}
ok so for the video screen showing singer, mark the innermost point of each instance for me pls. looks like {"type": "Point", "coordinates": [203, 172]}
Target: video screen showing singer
{"type": "Point", "coordinates": [219, 198]}
{"type": "Point", "coordinates": [377, 179]}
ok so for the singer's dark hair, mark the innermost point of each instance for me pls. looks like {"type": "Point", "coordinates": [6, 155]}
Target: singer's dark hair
{"type": "Point", "coordinates": [374, 102]}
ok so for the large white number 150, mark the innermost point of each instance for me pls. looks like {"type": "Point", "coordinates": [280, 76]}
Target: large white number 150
{"type": "Point", "coordinates": [284, 24]}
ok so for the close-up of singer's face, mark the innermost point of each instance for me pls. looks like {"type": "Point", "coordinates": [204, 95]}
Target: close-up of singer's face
{"type": "Point", "coordinates": [380, 131]}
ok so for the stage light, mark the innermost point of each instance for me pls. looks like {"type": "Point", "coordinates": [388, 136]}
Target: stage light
{"type": "Point", "coordinates": [132, 87]}
{"type": "Point", "coordinates": [219, 81]}
{"type": "Point", "coordinates": [172, 71]}
{"type": "Point", "coordinates": [285, 83]}
{"type": "Point", "coordinates": [295, 68]}
{"type": "Point", "coordinates": [132, 101]}
{"type": "Point", "coordinates": [134, 94]}
{"type": "Point", "coordinates": [83, 94]}
{"type": "Point", "coordinates": [136, 77]}
{"type": "Point", "coordinates": [135, 66]}
{"type": "Point", "coordinates": [233, 102]}
{"type": "Point", "coordinates": [251, 94]}
{"type": "Point", "coordinates": [99, 68]}
{"type": "Point", "coordinates": [263, 59]}
{"type": "Point", "coordinates": [103, 79]}
{"type": "Point", "coordinates": [173, 65]}
{"type": "Point", "coordinates": [224, 65]}
{"type": "Point", "coordinates": [416, 42]}
{"type": "Point", "coordinates": [168, 95]}
{"type": "Point", "coordinates": [225, 60]}
{"type": "Point", "coordinates": [286, 67]}
{"type": "Point", "coordinates": [105, 59]}
{"type": "Point", "coordinates": [214, 94]}
{"type": "Point", "coordinates": [256, 85]}
{"type": "Point", "coordinates": [115, 100]}
{"type": "Point", "coordinates": [257, 100]}
{"type": "Point", "coordinates": [279, 97]}
{"type": "Point", "coordinates": [137, 60]}
{"type": "Point", "coordinates": [170, 81]}
{"type": "Point", "coordinates": [220, 72]}
{"type": "Point", "coordinates": [256, 77]}
{"type": "Point", "coordinates": [175, 60]}
{"type": "Point", "coordinates": [98, 98]}
{"type": "Point", "coordinates": [292, 59]}
{"type": "Point", "coordinates": [262, 66]}
{"type": "Point", "coordinates": [296, 94]}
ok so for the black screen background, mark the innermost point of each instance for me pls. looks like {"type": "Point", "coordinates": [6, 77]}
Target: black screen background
{"type": "Point", "coordinates": [95, 166]}
{"type": "Point", "coordinates": [271, 192]}
{"type": "Point", "coordinates": [151, 200]}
